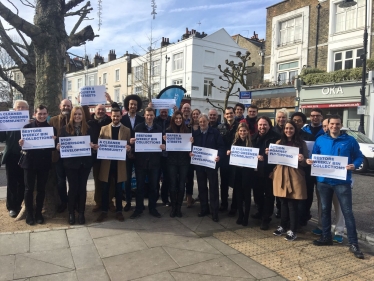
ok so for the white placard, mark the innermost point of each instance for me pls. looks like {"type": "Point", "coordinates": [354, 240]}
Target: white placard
{"type": "Point", "coordinates": [92, 95]}
{"type": "Point", "coordinates": [36, 138]}
{"type": "Point", "coordinates": [283, 155]}
{"type": "Point", "coordinates": [163, 103]}
{"type": "Point", "coordinates": [327, 166]}
{"type": "Point", "coordinates": [310, 145]}
{"type": "Point", "coordinates": [13, 120]}
{"type": "Point", "coordinates": [148, 142]}
{"type": "Point", "coordinates": [75, 146]}
{"type": "Point", "coordinates": [244, 156]}
{"type": "Point", "coordinates": [204, 157]}
{"type": "Point", "coordinates": [178, 142]}
{"type": "Point", "coordinates": [112, 149]}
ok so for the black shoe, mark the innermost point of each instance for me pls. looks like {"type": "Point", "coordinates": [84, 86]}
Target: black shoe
{"type": "Point", "coordinates": [222, 208]}
{"type": "Point", "coordinates": [245, 222]}
{"type": "Point", "coordinates": [155, 213]}
{"type": "Point", "coordinates": [71, 219]}
{"type": "Point", "coordinates": [62, 207]}
{"type": "Point", "coordinates": [39, 218]}
{"type": "Point", "coordinates": [323, 241]}
{"type": "Point", "coordinates": [264, 225]}
{"type": "Point", "coordinates": [81, 218]}
{"type": "Point", "coordinates": [30, 220]}
{"type": "Point", "coordinates": [203, 214]}
{"type": "Point", "coordinates": [135, 214]}
{"type": "Point", "coordinates": [278, 214]}
{"type": "Point", "coordinates": [356, 251]}
{"type": "Point", "coordinates": [232, 213]}
{"type": "Point", "coordinates": [127, 207]}
{"type": "Point", "coordinates": [167, 204]}
{"type": "Point", "coordinates": [256, 216]}
{"type": "Point", "coordinates": [173, 212]}
{"type": "Point", "coordinates": [215, 218]}
{"type": "Point", "coordinates": [179, 213]}
{"type": "Point", "coordinates": [239, 220]}
{"type": "Point", "coordinates": [13, 213]}
{"type": "Point", "coordinates": [102, 217]}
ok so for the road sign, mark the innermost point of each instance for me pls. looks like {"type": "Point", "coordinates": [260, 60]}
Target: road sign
{"type": "Point", "coordinates": [245, 97]}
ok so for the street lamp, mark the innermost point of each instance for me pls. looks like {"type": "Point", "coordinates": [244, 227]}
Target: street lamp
{"type": "Point", "coordinates": [347, 4]}
{"type": "Point", "coordinates": [166, 66]}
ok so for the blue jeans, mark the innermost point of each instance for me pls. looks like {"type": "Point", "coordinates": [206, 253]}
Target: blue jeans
{"type": "Point", "coordinates": [344, 194]}
{"type": "Point", "coordinates": [152, 188]}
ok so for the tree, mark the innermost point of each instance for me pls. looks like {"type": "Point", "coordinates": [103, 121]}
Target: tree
{"type": "Point", "coordinates": [233, 74]}
{"type": "Point", "coordinates": [42, 60]}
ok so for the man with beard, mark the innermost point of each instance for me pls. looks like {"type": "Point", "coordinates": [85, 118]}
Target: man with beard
{"type": "Point", "coordinates": [58, 122]}
{"type": "Point", "coordinates": [251, 119]}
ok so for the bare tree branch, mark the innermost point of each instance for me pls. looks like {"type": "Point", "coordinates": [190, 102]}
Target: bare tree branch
{"type": "Point", "coordinates": [83, 12]}
{"type": "Point", "coordinates": [13, 6]}
{"type": "Point", "coordinates": [215, 106]}
{"type": "Point", "coordinates": [10, 81]}
{"type": "Point", "coordinates": [23, 39]}
{"type": "Point", "coordinates": [28, 4]}
{"type": "Point", "coordinates": [80, 38]}
{"type": "Point", "coordinates": [71, 4]}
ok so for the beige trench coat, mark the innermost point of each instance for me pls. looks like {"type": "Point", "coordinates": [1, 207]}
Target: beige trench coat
{"type": "Point", "coordinates": [106, 133]}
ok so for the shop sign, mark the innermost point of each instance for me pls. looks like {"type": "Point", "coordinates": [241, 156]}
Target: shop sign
{"type": "Point", "coordinates": [332, 91]}
{"type": "Point", "coordinates": [331, 105]}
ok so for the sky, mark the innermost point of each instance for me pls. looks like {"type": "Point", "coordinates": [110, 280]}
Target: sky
{"type": "Point", "coordinates": [127, 25]}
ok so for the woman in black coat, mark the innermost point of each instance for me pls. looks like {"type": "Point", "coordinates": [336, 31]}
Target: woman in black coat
{"type": "Point", "coordinates": [77, 168]}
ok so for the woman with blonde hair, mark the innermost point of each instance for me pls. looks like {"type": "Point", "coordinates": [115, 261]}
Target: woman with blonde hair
{"type": "Point", "coordinates": [242, 177]}
{"type": "Point", "coordinates": [195, 119]}
{"type": "Point", "coordinates": [77, 168]}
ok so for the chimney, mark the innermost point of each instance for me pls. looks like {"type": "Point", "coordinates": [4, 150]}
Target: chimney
{"type": "Point", "coordinates": [164, 42]}
{"type": "Point", "coordinates": [112, 55]}
{"type": "Point", "coordinates": [98, 60]}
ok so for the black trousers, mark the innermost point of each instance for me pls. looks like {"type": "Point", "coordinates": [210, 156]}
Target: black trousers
{"type": "Point", "coordinates": [203, 177]}
{"type": "Point", "coordinates": [15, 183]}
{"type": "Point", "coordinates": [190, 180]}
{"type": "Point", "coordinates": [77, 179]}
{"type": "Point", "coordinates": [106, 186]}
{"type": "Point", "coordinates": [242, 188]}
{"type": "Point", "coordinates": [305, 205]}
{"type": "Point", "coordinates": [263, 191]}
{"type": "Point", "coordinates": [61, 181]}
{"type": "Point", "coordinates": [128, 191]}
{"type": "Point", "coordinates": [225, 173]}
{"type": "Point", "coordinates": [41, 177]}
{"type": "Point", "coordinates": [289, 213]}
{"type": "Point", "coordinates": [164, 187]}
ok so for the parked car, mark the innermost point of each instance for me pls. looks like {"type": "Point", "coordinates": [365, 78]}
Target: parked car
{"type": "Point", "coordinates": [366, 147]}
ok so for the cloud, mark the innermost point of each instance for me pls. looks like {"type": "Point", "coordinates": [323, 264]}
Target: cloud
{"type": "Point", "coordinates": [214, 6]}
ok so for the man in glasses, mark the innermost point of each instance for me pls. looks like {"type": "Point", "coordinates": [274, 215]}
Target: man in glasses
{"type": "Point", "coordinates": [315, 126]}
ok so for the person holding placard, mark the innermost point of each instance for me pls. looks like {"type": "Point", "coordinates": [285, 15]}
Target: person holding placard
{"type": "Point", "coordinates": [14, 174]}
{"type": "Point", "coordinates": [289, 183]}
{"type": "Point", "coordinates": [210, 138]}
{"type": "Point", "coordinates": [113, 168]}
{"type": "Point", "coordinates": [177, 164]}
{"type": "Point", "coordinates": [36, 164]}
{"type": "Point", "coordinates": [147, 164]}
{"type": "Point", "coordinates": [337, 143]}
{"type": "Point", "coordinates": [263, 186]}
{"type": "Point", "coordinates": [77, 168]}
{"type": "Point", "coordinates": [240, 177]}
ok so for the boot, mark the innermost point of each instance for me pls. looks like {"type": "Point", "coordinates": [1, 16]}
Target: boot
{"type": "Point", "coordinates": [173, 198]}
{"type": "Point", "coordinates": [241, 215]}
{"type": "Point", "coordinates": [245, 218]}
{"type": "Point", "coordinates": [179, 203]}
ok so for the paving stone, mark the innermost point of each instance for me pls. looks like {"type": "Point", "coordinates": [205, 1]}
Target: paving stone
{"type": "Point", "coordinates": [257, 270]}
{"type": "Point", "coordinates": [164, 276]}
{"type": "Point", "coordinates": [222, 247]}
{"type": "Point", "coordinates": [198, 245]}
{"type": "Point", "coordinates": [182, 276]}
{"type": "Point", "coordinates": [28, 267]}
{"type": "Point", "coordinates": [85, 256]}
{"type": "Point", "coordinates": [7, 267]}
{"type": "Point", "coordinates": [64, 276]}
{"type": "Point", "coordinates": [14, 244]}
{"type": "Point", "coordinates": [207, 226]}
{"type": "Point", "coordinates": [79, 237]}
{"type": "Point", "coordinates": [218, 267]}
{"type": "Point", "coordinates": [157, 239]}
{"type": "Point", "coordinates": [59, 257]}
{"type": "Point", "coordinates": [97, 273]}
{"type": "Point", "coordinates": [178, 229]}
{"type": "Point", "coordinates": [138, 264]}
{"type": "Point", "coordinates": [119, 244]}
{"type": "Point", "coordinates": [276, 278]}
{"type": "Point", "coordinates": [187, 257]}
{"type": "Point", "coordinates": [229, 237]}
{"type": "Point", "coordinates": [192, 222]}
{"type": "Point", "coordinates": [48, 240]}
{"type": "Point", "coordinates": [103, 231]}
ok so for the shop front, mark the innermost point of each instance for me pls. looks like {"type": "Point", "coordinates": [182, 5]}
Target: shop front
{"type": "Point", "coordinates": [339, 98]}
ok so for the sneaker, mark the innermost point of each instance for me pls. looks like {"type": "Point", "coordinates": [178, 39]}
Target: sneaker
{"type": "Point", "coordinates": [317, 231]}
{"type": "Point", "coordinates": [279, 231]}
{"type": "Point", "coordinates": [356, 251]}
{"type": "Point", "coordinates": [338, 239]}
{"type": "Point", "coordinates": [135, 214]}
{"type": "Point", "coordinates": [290, 236]}
{"type": "Point", "coordinates": [323, 241]}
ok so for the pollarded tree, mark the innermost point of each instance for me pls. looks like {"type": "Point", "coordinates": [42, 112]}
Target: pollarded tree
{"type": "Point", "coordinates": [42, 60]}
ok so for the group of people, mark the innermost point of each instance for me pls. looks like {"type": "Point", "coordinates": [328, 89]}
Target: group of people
{"type": "Point", "coordinates": [170, 174]}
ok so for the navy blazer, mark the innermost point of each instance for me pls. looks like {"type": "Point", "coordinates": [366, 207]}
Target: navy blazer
{"type": "Point", "coordinates": [125, 120]}
{"type": "Point", "coordinates": [213, 141]}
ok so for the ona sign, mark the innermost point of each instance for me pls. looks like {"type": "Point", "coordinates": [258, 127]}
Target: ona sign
{"type": "Point", "coordinates": [332, 91]}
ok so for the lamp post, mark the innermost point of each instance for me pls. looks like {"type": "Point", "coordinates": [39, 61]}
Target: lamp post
{"type": "Point", "coordinates": [347, 4]}
{"type": "Point", "coordinates": [166, 66]}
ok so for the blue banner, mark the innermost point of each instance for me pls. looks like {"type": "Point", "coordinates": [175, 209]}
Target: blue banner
{"type": "Point", "coordinates": [172, 92]}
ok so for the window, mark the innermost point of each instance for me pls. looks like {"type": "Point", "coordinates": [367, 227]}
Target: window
{"type": "Point", "coordinates": [99, 80]}
{"type": "Point", "coordinates": [79, 83]}
{"type": "Point", "coordinates": [207, 88]}
{"type": "Point", "coordinates": [117, 75]}
{"type": "Point", "coordinates": [287, 72]}
{"type": "Point", "coordinates": [138, 91]}
{"type": "Point", "coordinates": [348, 59]}
{"type": "Point", "coordinates": [178, 82]}
{"type": "Point", "coordinates": [350, 18]}
{"type": "Point", "coordinates": [138, 73]}
{"type": "Point", "coordinates": [104, 78]}
{"type": "Point", "coordinates": [290, 31]}
{"type": "Point", "coordinates": [156, 68]}
{"type": "Point", "coordinates": [91, 80]}
{"type": "Point", "coordinates": [178, 61]}
{"type": "Point", "coordinates": [116, 94]}
{"type": "Point", "coordinates": [69, 85]}
{"type": "Point", "coordinates": [155, 89]}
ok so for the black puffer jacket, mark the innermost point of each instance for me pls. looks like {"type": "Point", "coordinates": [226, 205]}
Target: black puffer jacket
{"type": "Point", "coordinates": [178, 158]}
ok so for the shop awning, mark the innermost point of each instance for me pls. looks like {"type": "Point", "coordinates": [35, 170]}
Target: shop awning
{"type": "Point", "coordinates": [331, 105]}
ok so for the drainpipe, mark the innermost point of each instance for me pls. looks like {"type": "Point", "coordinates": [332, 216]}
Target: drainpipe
{"type": "Point", "coordinates": [317, 35]}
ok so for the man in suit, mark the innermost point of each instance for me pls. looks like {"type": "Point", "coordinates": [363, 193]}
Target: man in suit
{"type": "Point", "coordinates": [132, 104]}
{"type": "Point", "coordinates": [14, 173]}
{"type": "Point", "coordinates": [113, 168]}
